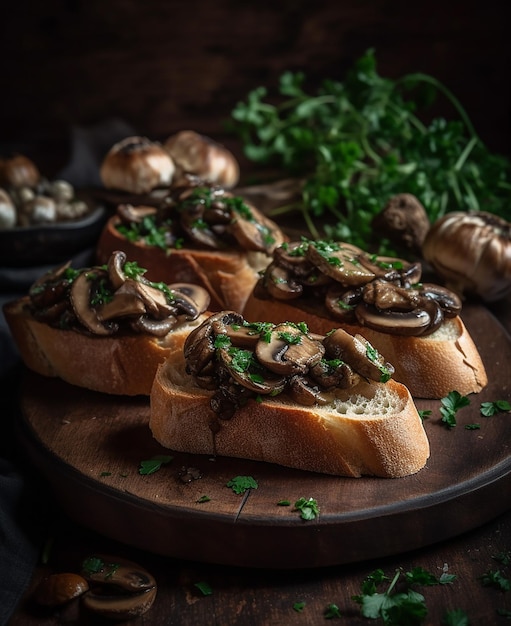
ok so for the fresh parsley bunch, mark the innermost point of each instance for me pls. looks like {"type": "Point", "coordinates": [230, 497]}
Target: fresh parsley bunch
{"type": "Point", "coordinates": [354, 144]}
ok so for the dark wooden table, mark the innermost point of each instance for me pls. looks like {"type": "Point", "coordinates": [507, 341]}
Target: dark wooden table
{"type": "Point", "coordinates": [261, 596]}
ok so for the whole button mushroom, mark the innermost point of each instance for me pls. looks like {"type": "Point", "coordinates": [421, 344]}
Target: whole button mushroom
{"type": "Point", "coordinates": [119, 589]}
{"type": "Point", "coordinates": [18, 171]}
{"type": "Point", "coordinates": [202, 156]}
{"type": "Point", "coordinates": [472, 253]}
{"type": "Point", "coordinates": [58, 589]}
{"type": "Point", "coordinates": [8, 214]}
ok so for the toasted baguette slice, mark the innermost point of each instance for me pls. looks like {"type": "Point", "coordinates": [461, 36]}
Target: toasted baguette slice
{"type": "Point", "coordinates": [121, 364]}
{"type": "Point", "coordinates": [370, 429]}
{"type": "Point", "coordinates": [430, 366]}
{"type": "Point", "coordinates": [228, 276]}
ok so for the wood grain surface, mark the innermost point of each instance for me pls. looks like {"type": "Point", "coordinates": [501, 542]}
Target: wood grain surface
{"type": "Point", "coordinates": [90, 445]}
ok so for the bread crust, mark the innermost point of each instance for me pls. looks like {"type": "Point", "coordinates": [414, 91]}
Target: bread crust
{"type": "Point", "coordinates": [391, 443]}
{"type": "Point", "coordinates": [228, 276]}
{"type": "Point", "coordinates": [121, 364]}
{"type": "Point", "coordinates": [429, 366]}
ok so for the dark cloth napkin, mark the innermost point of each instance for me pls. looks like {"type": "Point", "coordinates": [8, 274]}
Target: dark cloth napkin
{"type": "Point", "coordinates": [22, 508]}
{"type": "Point", "coordinates": [25, 502]}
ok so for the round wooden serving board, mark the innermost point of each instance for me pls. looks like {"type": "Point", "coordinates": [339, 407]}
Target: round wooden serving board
{"type": "Point", "coordinates": [90, 446]}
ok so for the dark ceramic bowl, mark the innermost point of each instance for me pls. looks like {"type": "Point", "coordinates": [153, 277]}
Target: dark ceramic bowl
{"type": "Point", "coordinates": [49, 244]}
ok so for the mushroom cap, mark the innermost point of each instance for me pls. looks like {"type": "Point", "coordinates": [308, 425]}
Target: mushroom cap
{"type": "Point", "coordinates": [136, 165]}
{"type": "Point", "coordinates": [60, 588]}
{"type": "Point", "coordinates": [202, 156]}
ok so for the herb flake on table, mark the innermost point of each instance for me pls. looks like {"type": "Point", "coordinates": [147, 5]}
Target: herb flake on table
{"type": "Point", "coordinates": [492, 408]}
{"type": "Point", "coordinates": [204, 588]}
{"type": "Point", "coordinates": [308, 508]}
{"type": "Point", "coordinates": [240, 484]}
{"type": "Point", "coordinates": [450, 405]}
{"type": "Point", "coordinates": [152, 465]}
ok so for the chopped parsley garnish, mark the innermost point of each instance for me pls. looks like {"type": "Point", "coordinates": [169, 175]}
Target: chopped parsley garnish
{"type": "Point", "coordinates": [222, 341]}
{"type": "Point", "coordinates": [289, 338]}
{"type": "Point", "coordinates": [95, 565]}
{"type": "Point", "coordinates": [374, 356]}
{"type": "Point", "coordinates": [203, 499]}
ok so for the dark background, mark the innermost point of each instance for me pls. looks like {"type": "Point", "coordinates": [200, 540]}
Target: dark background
{"type": "Point", "coordinates": [162, 65]}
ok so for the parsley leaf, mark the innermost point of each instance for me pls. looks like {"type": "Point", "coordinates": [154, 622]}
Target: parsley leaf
{"type": "Point", "coordinates": [495, 578]}
{"type": "Point", "coordinates": [240, 484]}
{"type": "Point", "coordinates": [451, 404]}
{"type": "Point", "coordinates": [203, 499]}
{"type": "Point", "coordinates": [456, 617]}
{"type": "Point", "coordinates": [150, 466]}
{"type": "Point", "coordinates": [204, 588]}
{"type": "Point", "coordinates": [331, 611]}
{"type": "Point", "coordinates": [299, 606]}
{"type": "Point", "coordinates": [492, 408]}
{"type": "Point", "coordinates": [308, 508]}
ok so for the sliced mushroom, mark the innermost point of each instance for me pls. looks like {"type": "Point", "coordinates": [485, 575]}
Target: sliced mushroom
{"type": "Point", "coordinates": [257, 233]}
{"type": "Point", "coordinates": [411, 274]}
{"type": "Point", "coordinates": [50, 288]}
{"type": "Point", "coordinates": [199, 346]}
{"type": "Point", "coordinates": [289, 350]}
{"type": "Point", "coordinates": [341, 262]}
{"type": "Point", "coordinates": [292, 256]}
{"type": "Point", "coordinates": [340, 302]}
{"type": "Point", "coordinates": [386, 268]}
{"type": "Point", "coordinates": [128, 213]}
{"type": "Point", "coordinates": [359, 353]}
{"type": "Point", "coordinates": [80, 295]}
{"type": "Point", "coordinates": [158, 328]}
{"type": "Point", "coordinates": [334, 373]}
{"type": "Point", "coordinates": [195, 226]}
{"type": "Point", "coordinates": [249, 373]}
{"type": "Point", "coordinates": [154, 299]}
{"type": "Point", "coordinates": [384, 296]}
{"type": "Point", "coordinates": [122, 305]}
{"type": "Point", "coordinates": [243, 336]}
{"type": "Point", "coordinates": [281, 284]}
{"type": "Point", "coordinates": [115, 268]}
{"type": "Point", "coordinates": [449, 301]}
{"type": "Point", "coordinates": [407, 323]}
{"type": "Point", "coordinates": [189, 300]}
{"type": "Point", "coordinates": [119, 589]}
{"type": "Point", "coordinates": [306, 392]}
{"type": "Point", "coordinates": [199, 295]}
